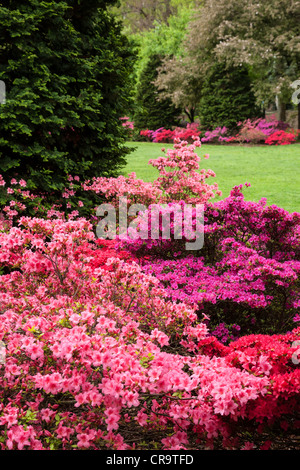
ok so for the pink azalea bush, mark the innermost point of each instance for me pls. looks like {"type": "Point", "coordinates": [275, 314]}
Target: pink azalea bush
{"type": "Point", "coordinates": [179, 179]}
{"type": "Point", "coordinates": [105, 345]}
{"type": "Point", "coordinates": [261, 131]}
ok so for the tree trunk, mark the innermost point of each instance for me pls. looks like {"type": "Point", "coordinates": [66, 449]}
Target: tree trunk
{"type": "Point", "coordinates": [190, 114]}
{"type": "Point", "coordinates": [281, 110]}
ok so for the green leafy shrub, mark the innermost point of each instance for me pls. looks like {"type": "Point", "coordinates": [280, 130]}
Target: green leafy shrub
{"type": "Point", "coordinates": [66, 67]}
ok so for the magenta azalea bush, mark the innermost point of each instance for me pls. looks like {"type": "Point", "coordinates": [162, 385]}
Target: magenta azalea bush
{"type": "Point", "coordinates": [120, 347]}
{"type": "Point", "coordinates": [246, 276]}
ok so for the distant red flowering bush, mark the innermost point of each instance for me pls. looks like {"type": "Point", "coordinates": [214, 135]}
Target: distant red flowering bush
{"type": "Point", "coordinates": [163, 135]}
{"type": "Point", "coordinates": [280, 138]}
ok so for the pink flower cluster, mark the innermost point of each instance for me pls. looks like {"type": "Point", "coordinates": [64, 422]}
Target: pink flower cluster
{"type": "Point", "coordinates": [180, 179]}
{"type": "Point", "coordinates": [128, 125]}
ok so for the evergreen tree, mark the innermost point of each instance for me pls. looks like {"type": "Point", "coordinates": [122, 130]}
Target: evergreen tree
{"type": "Point", "coordinates": [227, 97]}
{"type": "Point", "coordinates": [66, 68]}
{"type": "Point", "coordinates": [152, 112]}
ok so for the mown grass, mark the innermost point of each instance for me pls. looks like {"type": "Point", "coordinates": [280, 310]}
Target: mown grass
{"type": "Point", "coordinates": [272, 171]}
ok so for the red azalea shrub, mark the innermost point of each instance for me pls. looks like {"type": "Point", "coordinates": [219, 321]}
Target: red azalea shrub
{"type": "Point", "coordinates": [281, 138]}
{"type": "Point", "coordinates": [163, 135]}
{"type": "Point", "coordinates": [146, 133]}
{"type": "Point", "coordinates": [255, 131]}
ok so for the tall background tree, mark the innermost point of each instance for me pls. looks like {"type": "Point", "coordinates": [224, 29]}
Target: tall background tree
{"type": "Point", "coordinates": [266, 36]}
{"type": "Point", "coordinates": [150, 111]}
{"type": "Point", "coordinates": [66, 66]}
{"type": "Point", "coordinates": [158, 30]}
{"type": "Point", "coordinates": [227, 97]}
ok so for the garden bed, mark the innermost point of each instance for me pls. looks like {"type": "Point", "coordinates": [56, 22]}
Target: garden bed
{"type": "Point", "coordinates": [141, 344]}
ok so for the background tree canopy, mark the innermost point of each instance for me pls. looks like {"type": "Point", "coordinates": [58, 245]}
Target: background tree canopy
{"type": "Point", "coordinates": [194, 36]}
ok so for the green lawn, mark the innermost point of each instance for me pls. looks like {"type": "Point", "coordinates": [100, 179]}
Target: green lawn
{"type": "Point", "coordinates": [272, 171]}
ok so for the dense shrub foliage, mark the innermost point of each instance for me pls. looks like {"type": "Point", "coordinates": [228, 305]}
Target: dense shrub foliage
{"type": "Point", "coordinates": [63, 104]}
{"type": "Point", "coordinates": [109, 345]}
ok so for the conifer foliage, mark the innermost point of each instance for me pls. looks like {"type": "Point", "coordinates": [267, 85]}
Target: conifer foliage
{"type": "Point", "coordinates": [66, 68]}
{"type": "Point", "coordinates": [227, 97]}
